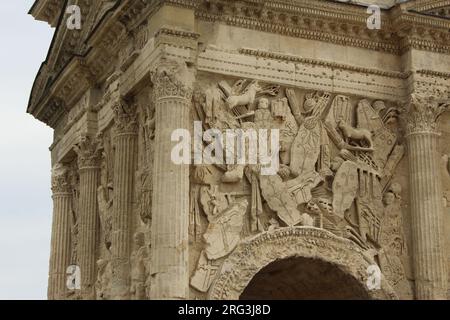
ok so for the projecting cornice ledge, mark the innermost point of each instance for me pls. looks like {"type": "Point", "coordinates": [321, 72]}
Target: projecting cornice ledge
{"type": "Point", "coordinates": [326, 21]}
{"type": "Point", "coordinates": [47, 10]}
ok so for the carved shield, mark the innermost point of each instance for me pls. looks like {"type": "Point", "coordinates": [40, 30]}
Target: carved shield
{"type": "Point", "coordinates": [224, 233]}
{"type": "Point", "coordinates": [345, 188]}
{"type": "Point", "coordinates": [383, 139]}
{"type": "Point", "coordinates": [280, 200]}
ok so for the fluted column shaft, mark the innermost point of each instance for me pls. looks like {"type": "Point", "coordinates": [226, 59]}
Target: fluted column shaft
{"type": "Point", "coordinates": [124, 173]}
{"type": "Point", "coordinates": [170, 213]}
{"type": "Point", "coordinates": [61, 232]}
{"type": "Point", "coordinates": [89, 170]}
{"type": "Point", "coordinates": [429, 257]}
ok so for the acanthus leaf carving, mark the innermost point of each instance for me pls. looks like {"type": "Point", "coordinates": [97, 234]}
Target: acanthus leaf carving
{"type": "Point", "coordinates": [423, 112]}
{"type": "Point", "coordinates": [89, 151]}
{"type": "Point", "coordinates": [60, 180]}
{"type": "Point", "coordinates": [125, 117]}
{"type": "Point", "coordinates": [172, 78]}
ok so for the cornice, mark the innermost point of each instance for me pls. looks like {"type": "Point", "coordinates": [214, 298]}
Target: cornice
{"type": "Point", "coordinates": [425, 5]}
{"type": "Point", "coordinates": [325, 21]}
{"type": "Point", "coordinates": [435, 74]}
{"type": "Point", "coordinates": [47, 10]}
{"type": "Point", "coordinates": [329, 64]}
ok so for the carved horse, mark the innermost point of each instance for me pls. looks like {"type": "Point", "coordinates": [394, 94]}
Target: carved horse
{"type": "Point", "coordinates": [355, 134]}
{"type": "Point", "coordinates": [248, 97]}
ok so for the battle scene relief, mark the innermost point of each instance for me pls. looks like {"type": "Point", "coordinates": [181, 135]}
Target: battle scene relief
{"type": "Point", "coordinates": [338, 157]}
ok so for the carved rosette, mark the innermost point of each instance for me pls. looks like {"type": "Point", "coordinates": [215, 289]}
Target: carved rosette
{"type": "Point", "coordinates": [89, 153]}
{"type": "Point", "coordinates": [125, 117]}
{"type": "Point", "coordinates": [423, 112]}
{"type": "Point", "coordinates": [172, 79]}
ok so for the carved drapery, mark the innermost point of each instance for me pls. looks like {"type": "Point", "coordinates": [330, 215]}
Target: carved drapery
{"type": "Point", "coordinates": [124, 168]}
{"type": "Point", "coordinates": [61, 231]}
{"type": "Point", "coordinates": [430, 263]}
{"type": "Point", "coordinates": [172, 93]}
{"type": "Point", "coordinates": [89, 158]}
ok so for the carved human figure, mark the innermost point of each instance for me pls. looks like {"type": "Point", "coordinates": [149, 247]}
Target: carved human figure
{"type": "Point", "coordinates": [226, 221]}
{"type": "Point", "coordinates": [391, 235]}
{"type": "Point", "coordinates": [306, 147]}
{"type": "Point", "coordinates": [105, 204]}
{"type": "Point", "coordinates": [103, 283]}
{"type": "Point", "coordinates": [445, 169]}
{"type": "Point", "coordinates": [139, 259]}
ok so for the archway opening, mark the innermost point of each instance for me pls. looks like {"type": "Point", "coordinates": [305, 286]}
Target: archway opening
{"type": "Point", "coordinates": [303, 279]}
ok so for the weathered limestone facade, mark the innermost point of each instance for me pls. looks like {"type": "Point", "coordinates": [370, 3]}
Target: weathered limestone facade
{"type": "Point", "coordinates": [359, 207]}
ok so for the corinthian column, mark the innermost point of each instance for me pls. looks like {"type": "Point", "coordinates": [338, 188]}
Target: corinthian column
{"type": "Point", "coordinates": [430, 263]}
{"type": "Point", "coordinates": [172, 93]}
{"type": "Point", "coordinates": [124, 171]}
{"type": "Point", "coordinates": [60, 244]}
{"type": "Point", "coordinates": [89, 156]}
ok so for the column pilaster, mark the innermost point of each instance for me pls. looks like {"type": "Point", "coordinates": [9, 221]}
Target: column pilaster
{"type": "Point", "coordinates": [429, 257]}
{"type": "Point", "coordinates": [61, 231]}
{"type": "Point", "coordinates": [172, 97]}
{"type": "Point", "coordinates": [125, 137]}
{"type": "Point", "coordinates": [89, 158]}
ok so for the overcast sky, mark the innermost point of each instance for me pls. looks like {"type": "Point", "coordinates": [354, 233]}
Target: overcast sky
{"type": "Point", "coordinates": [25, 198]}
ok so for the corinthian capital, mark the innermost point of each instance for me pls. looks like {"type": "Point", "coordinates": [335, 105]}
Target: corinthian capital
{"type": "Point", "coordinates": [172, 78]}
{"type": "Point", "coordinates": [423, 112]}
{"type": "Point", "coordinates": [89, 151]}
{"type": "Point", "coordinates": [125, 117]}
{"type": "Point", "coordinates": [60, 180]}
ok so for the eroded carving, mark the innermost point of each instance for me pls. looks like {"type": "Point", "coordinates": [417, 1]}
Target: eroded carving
{"type": "Point", "coordinates": [423, 111]}
{"type": "Point", "coordinates": [139, 268]}
{"type": "Point", "coordinates": [392, 236]}
{"type": "Point", "coordinates": [337, 159]}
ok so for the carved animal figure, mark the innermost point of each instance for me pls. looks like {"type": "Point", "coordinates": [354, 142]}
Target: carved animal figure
{"type": "Point", "coordinates": [355, 134]}
{"type": "Point", "coordinates": [246, 98]}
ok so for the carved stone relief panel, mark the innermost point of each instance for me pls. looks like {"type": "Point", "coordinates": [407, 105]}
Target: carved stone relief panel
{"type": "Point", "coordinates": [140, 258]}
{"type": "Point", "coordinates": [337, 160]}
{"type": "Point", "coordinates": [445, 172]}
{"type": "Point", "coordinates": [105, 193]}
{"type": "Point", "coordinates": [74, 182]}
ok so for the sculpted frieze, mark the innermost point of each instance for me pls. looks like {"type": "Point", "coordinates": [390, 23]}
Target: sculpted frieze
{"type": "Point", "coordinates": [337, 157]}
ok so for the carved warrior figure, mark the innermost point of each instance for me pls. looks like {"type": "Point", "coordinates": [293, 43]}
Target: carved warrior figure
{"type": "Point", "coordinates": [391, 236]}
{"type": "Point", "coordinates": [336, 160]}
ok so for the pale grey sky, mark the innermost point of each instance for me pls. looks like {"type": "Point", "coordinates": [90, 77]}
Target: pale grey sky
{"type": "Point", "coordinates": [25, 198]}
